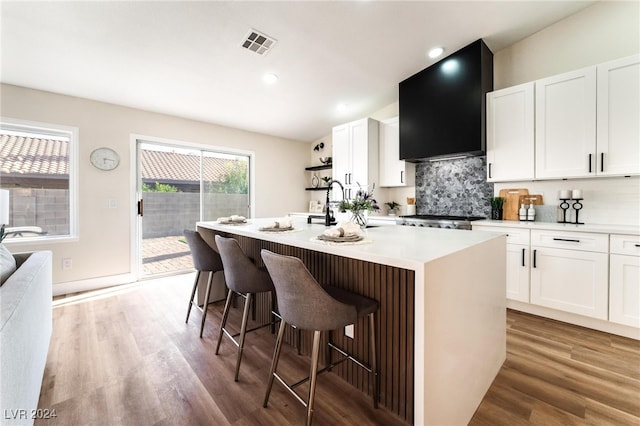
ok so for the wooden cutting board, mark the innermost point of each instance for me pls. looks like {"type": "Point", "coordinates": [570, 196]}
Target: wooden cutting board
{"type": "Point", "coordinates": [535, 199]}
{"type": "Point", "coordinates": [511, 202]}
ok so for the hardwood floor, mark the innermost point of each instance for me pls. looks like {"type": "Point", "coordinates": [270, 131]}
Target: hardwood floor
{"type": "Point", "coordinates": [125, 357]}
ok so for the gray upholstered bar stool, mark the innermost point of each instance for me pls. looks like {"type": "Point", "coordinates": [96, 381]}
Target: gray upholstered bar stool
{"type": "Point", "coordinates": [205, 259]}
{"type": "Point", "coordinates": [245, 279]}
{"type": "Point", "coordinates": [305, 304]}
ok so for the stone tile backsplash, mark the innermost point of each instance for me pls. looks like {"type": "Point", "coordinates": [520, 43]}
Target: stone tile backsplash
{"type": "Point", "coordinates": [453, 187]}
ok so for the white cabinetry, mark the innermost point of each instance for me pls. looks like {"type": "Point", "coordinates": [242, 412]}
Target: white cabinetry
{"type": "Point", "coordinates": [393, 171]}
{"type": "Point", "coordinates": [569, 272]}
{"type": "Point", "coordinates": [566, 125]}
{"type": "Point", "coordinates": [518, 261]}
{"type": "Point", "coordinates": [510, 136]}
{"type": "Point", "coordinates": [624, 280]}
{"type": "Point", "coordinates": [355, 155]}
{"type": "Point", "coordinates": [618, 126]}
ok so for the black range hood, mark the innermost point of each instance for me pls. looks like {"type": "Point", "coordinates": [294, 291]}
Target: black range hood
{"type": "Point", "coordinates": [442, 108]}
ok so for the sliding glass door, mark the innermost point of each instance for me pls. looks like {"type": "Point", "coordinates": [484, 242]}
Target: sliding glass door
{"type": "Point", "coordinates": [178, 186]}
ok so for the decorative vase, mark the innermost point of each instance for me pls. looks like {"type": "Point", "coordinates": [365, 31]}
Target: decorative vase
{"type": "Point", "coordinates": [315, 181]}
{"type": "Point", "coordinates": [360, 217]}
{"type": "Point", "coordinates": [496, 214]}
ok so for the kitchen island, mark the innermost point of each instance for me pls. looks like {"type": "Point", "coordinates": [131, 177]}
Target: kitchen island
{"type": "Point", "coordinates": [442, 318]}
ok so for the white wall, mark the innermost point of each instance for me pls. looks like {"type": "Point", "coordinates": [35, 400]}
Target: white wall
{"type": "Point", "coordinates": [605, 31]}
{"type": "Point", "coordinates": [103, 248]}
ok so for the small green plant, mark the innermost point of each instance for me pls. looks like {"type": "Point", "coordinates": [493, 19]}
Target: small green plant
{"type": "Point", "coordinates": [496, 203]}
{"type": "Point", "coordinates": [392, 205]}
{"type": "Point", "coordinates": [326, 179]}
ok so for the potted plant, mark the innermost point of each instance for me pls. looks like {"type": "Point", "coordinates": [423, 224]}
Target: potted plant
{"type": "Point", "coordinates": [326, 180]}
{"type": "Point", "coordinates": [360, 206]}
{"type": "Point", "coordinates": [496, 208]}
{"type": "Point", "coordinates": [391, 207]}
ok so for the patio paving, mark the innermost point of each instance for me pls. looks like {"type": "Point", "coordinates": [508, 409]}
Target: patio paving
{"type": "Point", "coordinates": [165, 255]}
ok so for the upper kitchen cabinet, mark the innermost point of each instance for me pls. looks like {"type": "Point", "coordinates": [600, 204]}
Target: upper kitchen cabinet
{"type": "Point", "coordinates": [565, 116]}
{"type": "Point", "coordinates": [355, 155]}
{"type": "Point", "coordinates": [393, 171]}
{"type": "Point", "coordinates": [510, 133]}
{"type": "Point", "coordinates": [618, 126]}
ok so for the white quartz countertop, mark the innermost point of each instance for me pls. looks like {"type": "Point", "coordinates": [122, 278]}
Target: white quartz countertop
{"type": "Point", "coordinates": [588, 227]}
{"type": "Point", "coordinates": [399, 246]}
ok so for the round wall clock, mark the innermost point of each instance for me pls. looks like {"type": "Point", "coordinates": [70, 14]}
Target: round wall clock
{"type": "Point", "coordinates": [105, 158]}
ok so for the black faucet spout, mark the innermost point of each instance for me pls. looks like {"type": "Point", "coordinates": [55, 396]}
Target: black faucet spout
{"type": "Point", "coordinates": [328, 218]}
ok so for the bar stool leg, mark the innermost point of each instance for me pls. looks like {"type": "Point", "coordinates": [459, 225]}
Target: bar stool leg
{"type": "Point", "coordinates": [314, 375]}
{"type": "Point", "coordinates": [225, 315]}
{"type": "Point", "coordinates": [274, 362]}
{"type": "Point", "coordinates": [374, 363]}
{"type": "Point", "coordinates": [243, 332]}
{"type": "Point", "coordinates": [193, 293]}
{"type": "Point", "coordinates": [206, 302]}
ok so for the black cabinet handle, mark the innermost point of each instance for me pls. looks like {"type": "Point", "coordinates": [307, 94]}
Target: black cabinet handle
{"type": "Point", "coordinates": [489, 170]}
{"type": "Point", "coordinates": [401, 176]}
{"type": "Point", "coordinates": [534, 257]}
{"type": "Point", "coordinates": [637, 245]}
{"type": "Point", "coordinates": [589, 163]}
{"type": "Point", "coordinates": [523, 257]}
{"type": "Point", "coordinates": [567, 240]}
{"type": "Point", "coordinates": [602, 161]}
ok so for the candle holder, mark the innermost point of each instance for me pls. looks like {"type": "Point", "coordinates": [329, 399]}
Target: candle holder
{"type": "Point", "coordinates": [564, 205]}
{"type": "Point", "coordinates": [577, 205]}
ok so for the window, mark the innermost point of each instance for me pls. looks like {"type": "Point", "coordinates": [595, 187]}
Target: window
{"type": "Point", "coordinates": [37, 180]}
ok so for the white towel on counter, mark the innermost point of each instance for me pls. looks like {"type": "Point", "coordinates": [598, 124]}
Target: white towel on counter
{"type": "Point", "coordinates": [282, 223]}
{"type": "Point", "coordinates": [343, 229]}
{"type": "Point", "coordinates": [234, 218]}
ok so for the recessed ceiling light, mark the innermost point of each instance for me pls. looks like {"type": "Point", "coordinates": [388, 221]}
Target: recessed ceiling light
{"type": "Point", "coordinates": [270, 78]}
{"type": "Point", "coordinates": [342, 107]}
{"type": "Point", "coordinates": [435, 52]}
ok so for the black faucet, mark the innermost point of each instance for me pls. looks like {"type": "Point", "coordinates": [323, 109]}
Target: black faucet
{"type": "Point", "coordinates": [328, 218]}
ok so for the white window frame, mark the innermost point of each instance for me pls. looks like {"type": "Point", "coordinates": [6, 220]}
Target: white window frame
{"type": "Point", "coordinates": [17, 125]}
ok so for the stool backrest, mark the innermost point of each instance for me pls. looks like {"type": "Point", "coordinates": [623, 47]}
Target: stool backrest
{"type": "Point", "coordinates": [302, 301]}
{"type": "Point", "coordinates": [205, 258]}
{"type": "Point", "coordinates": [240, 273]}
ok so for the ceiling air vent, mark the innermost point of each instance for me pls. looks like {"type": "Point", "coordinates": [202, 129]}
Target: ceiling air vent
{"type": "Point", "coordinates": [258, 42]}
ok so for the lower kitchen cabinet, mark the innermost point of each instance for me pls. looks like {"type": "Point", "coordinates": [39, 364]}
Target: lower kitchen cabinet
{"type": "Point", "coordinates": [518, 272]}
{"type": "Point", "coordinates": [570, 272]}
{"type": "Point", "coordinates": [518, 261]}
{"type": "Point", "coordinates": [624, 287]}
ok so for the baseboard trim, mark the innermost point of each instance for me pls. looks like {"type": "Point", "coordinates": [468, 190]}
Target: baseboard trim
{"type": "Point", "coordinates": [69, 287]}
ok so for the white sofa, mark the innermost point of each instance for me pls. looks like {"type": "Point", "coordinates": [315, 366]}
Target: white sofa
{"type": "Point", "coordinates": [25, 333]}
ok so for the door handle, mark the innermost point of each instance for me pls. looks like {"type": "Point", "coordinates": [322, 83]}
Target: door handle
{"type": "Point", "coordinates": [602, 161]}
{"type": "Point", "coordinates": [589, 163]}
{"type": "Point", "coordinates": [523, 250]}
{"type": "Point", "coordinates": [534, 257]}
{"type": "Point", "coordinates": [489, 170]}
{"type": "Point", "coordinates": [141, 207]}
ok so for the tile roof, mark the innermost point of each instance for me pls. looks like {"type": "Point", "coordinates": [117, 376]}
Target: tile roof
{"type": "Point", "coordinates": [27, 156]}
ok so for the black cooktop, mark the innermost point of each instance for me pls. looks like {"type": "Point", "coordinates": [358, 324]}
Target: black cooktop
{"type": "Point", "coordinates": [441, 217]}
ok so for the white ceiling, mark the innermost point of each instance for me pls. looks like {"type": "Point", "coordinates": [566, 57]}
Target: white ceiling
{"type": "Point", "coordinates": [185, 58]}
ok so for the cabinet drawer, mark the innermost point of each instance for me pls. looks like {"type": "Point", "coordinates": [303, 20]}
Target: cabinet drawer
{"type": "Point", "coordinates": [514, 235]}
{"type": "Point", "coordinates": [583, 241]}
{"type": "Point", "coordinates": [625, 244]}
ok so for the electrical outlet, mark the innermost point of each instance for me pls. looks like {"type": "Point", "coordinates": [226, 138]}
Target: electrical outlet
{"type": "Point", "coordinates": [67, 263]}
{"type": "Point", "coordinates": [113, 203]}
{"type": "Point", "coordinates": [348, 331]}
